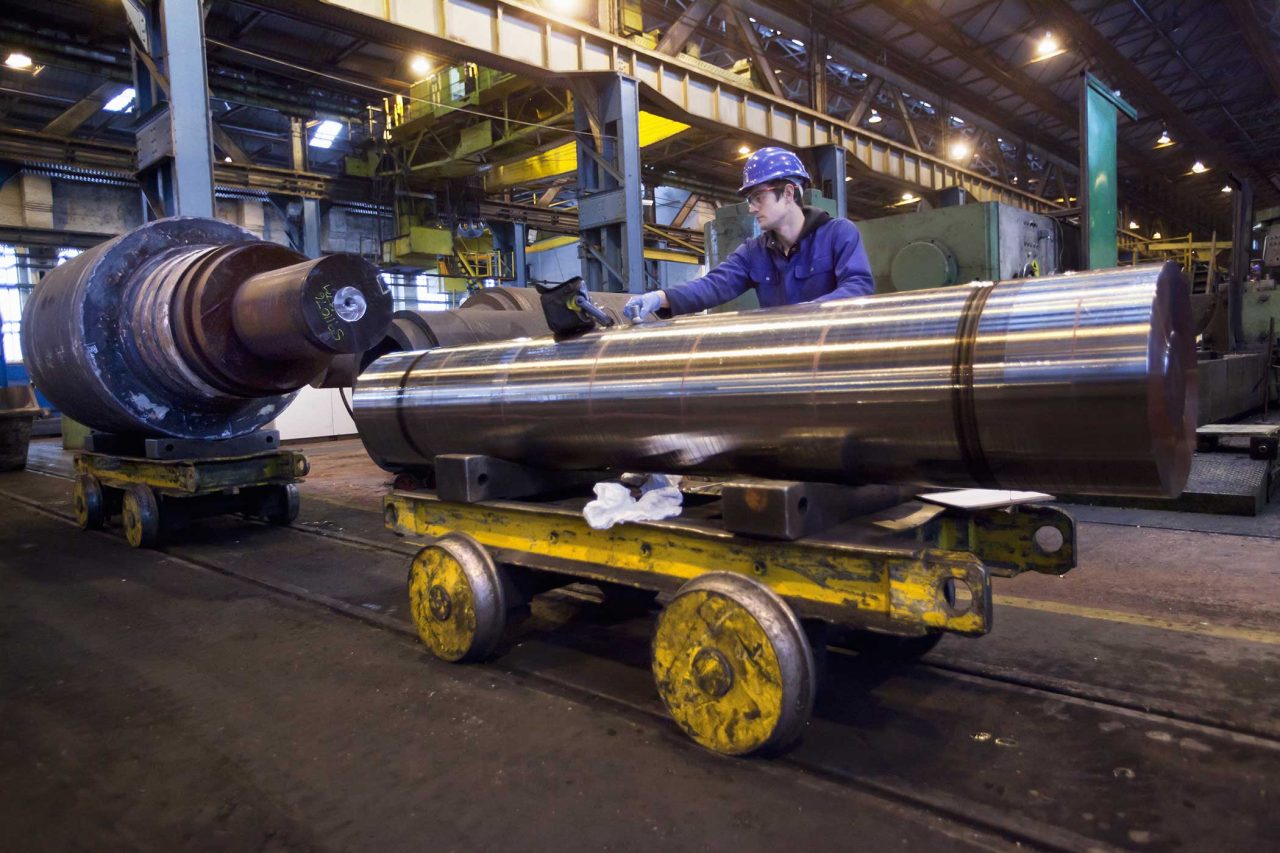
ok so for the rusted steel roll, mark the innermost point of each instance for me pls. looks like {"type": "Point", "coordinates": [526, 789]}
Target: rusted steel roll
{"type": "Point", "coordinates": [1077, 383]}
{"type": "Point", "coordinates": [528, 299]}
{"type": "Point", "coordinates": [194, 328]}
{"type": "Point", "coordinates": [492, 314]}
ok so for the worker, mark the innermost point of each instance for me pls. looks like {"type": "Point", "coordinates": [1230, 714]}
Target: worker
{"type": "Point", "coordinates": [804, 255]}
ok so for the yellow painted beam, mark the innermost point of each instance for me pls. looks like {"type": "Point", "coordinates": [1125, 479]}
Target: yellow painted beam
{"type": "Point", "coordinates": [551, 243]}
{"type": "Point", "coordinates": [650, 254]}
{"type": "Point", "coordinates": [563, 159]}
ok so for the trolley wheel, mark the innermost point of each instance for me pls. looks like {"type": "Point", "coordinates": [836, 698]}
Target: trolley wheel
{"type": "Point", "coordinates": [89, 503]}
{"type": "Point", "coordinates": [281, 506]}
{"type": "Point", "coordinates": [733, 665]}
{"type": "Point", "coordinates": [886, 647]}
{"type": "Point", "coordinates": [140, 515]}
{"type": "Point", "coordinates": [458, 598]}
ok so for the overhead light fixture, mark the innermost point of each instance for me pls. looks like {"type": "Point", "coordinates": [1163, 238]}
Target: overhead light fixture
{"type": "Point", "coordinates": [1133, 225]}
{"type": "Point", "coordinates": [121, 102]}
{"type": "Point", "coordinates": [908, 197]}
{"type": "Point", "coordinates": [18, 61]}
{"type": "Point", "coordinates": [226, 159]}
{"type": "Point", "coordinates": [1155, 235]}
{"type": "Point", "coordinates": [744, 150]}
{"type": "Point", "coordinates": [875, 118]}
{"type": "Point", "coordinates": [1165, 139]}
{"type": "Point", "coordinates": [1047, 48]}
{"type": "Point", "coordinates": [1226, 188]}
{"type": "Point", "coordinates": [1199, 168]}
{"type": "Point", "coordinates": [960, 150]}
{"type": "Point", "coordinates": [848, 178]}
{"type": "Point", "coordinates": [326, 132]}
{"type": "Point", "coordinates": [420, 66]}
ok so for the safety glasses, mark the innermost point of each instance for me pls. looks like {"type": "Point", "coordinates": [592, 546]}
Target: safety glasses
{"type": "Point", "coordinates": [756, 196]}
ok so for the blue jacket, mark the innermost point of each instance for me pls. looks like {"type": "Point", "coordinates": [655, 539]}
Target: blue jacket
{"type": "Point", "coordinates": [827, 262]}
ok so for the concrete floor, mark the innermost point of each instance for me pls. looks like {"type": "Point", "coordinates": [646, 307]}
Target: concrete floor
{"type": "Point", "coordinates": [253, 687]}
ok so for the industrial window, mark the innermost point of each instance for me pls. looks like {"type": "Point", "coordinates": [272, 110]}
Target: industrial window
{"type": "Point", "coordinates": [13, 293]}
{"type": "Point", "coordinates": [419, 292]}
{"type": "Point", "coordinates": [16, 275]}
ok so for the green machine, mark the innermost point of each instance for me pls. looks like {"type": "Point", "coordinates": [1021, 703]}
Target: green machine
{"type": "Point", "coordinates": [928, 248]}
{"type": "Point", "coordinates": [987, 241]}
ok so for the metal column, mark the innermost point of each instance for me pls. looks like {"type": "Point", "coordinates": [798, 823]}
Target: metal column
{"type": "Point", "coordinates": [310, 236]}
{"type": "Point", "coordinates": [521, 237]}
{"type": "Point", "coordinates": [610, 213]}
{"type": "Point", "coordinates": [311, 227]}
{"type": "Point", "coordinates": [175, 136]}
{"type": "Point", "coordinates": [829, 174]}
{"type": "Point", "coordinates": [1241, 244]}
{"type": "Point", "coordinates": [1099, 179]}
{"type": "Point", "coordinates": [509, 240]}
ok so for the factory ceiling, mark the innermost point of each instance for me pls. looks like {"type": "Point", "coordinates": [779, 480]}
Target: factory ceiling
{"type": "Point", "coordinates": [994, 83]}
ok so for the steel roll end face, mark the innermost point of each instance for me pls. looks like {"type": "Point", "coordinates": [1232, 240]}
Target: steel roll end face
{"type": "Point", "coordinates": [1172, 390]}
{"type": "Point", "coordinates": [345, 307]}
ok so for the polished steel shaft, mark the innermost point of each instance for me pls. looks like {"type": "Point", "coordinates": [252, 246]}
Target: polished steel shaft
{"type": "Point", "coordinates": [194, 328]}
{"type": "Point", "coordinates": [1076, 383]}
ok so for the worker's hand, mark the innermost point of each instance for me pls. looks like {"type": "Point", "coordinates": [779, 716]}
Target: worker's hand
{"type": "Point", "coordinates": [646, 303]}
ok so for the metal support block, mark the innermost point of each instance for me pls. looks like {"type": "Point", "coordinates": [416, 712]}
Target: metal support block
{"type": "Point", "coordinates": [179, 448]}
{"type": "Point", "coordinates": [789, 510]}
{"type": "Point", "coordinates": [467, 478]}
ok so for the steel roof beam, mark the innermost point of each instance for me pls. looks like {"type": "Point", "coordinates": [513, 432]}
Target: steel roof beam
{"type": "Point", "coordinates": [947, 35]}
{"type": "Point", "coordinates": [1133, 81]}
{"type": "Point", "coordinates": [508, 35]}
{"type": "Point", "coordinates": [677, 35]}
{"type": "Point", "coordinates": [1255, 36]}
{"type": "Point", "coordinates": [70, 119]}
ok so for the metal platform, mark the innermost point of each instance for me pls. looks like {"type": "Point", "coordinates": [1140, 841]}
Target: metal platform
{"type": "Point", "coordinates": [153, 495]}
{"type": "Point", "coordinates": [756, 584]}
{"type": "Point", "coordinates": [1220, 483]}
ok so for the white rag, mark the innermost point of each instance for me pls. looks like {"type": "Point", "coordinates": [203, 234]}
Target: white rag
{"type": "Point", "coordinates": [659, 498]}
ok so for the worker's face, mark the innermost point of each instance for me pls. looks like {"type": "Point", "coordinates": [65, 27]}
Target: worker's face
{"type": "Point", "coordinates": [769, 204]}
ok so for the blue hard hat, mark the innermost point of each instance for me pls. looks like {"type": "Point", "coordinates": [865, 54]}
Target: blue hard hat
{"type": "Point", "coordinates": [771, 164]}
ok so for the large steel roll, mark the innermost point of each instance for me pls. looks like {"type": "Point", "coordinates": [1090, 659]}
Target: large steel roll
{"type": "Point", "coordinates": [1075, 383]}
{"type": "Point", "coordinates": [194, 328]}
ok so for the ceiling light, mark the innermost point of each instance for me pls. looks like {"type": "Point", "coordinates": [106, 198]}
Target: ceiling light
{"type": "Point", "coordinates": [848, 178]}
{"type": "Point", "coordinates": [420, 65]}
{"type": "Point", "coordinates": [1155, 235]}
{"type": "Point", "coordinates": [326, 132]}
{"type": "Point", "coordinates": [226, 159]}
{"type": "Point", "coordinates": [1047, 47]}
{"type": "Point", "coordinates": [908, 197]}
{"type": "Point", "coordinates": [1226, 188]}
{"type": "Point", "coordinates": [1133, 225]}
{"type": "Point", "coordinates": [960, 150]}
{"type": "Point", "coordinates": [744, 150]}
{"type": "Point", "coordinates": [120, 103]}
{"type": "Point", "coordinates": [875, 118]}
{"type": "Point", "coordinates": [18, 61]}
{"type": "Point", "coordinates": [1165, 140]}
{"type": "Point", "coordinates": [1199, 168]}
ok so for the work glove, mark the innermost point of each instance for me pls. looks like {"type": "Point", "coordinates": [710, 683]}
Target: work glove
{"type": "Point", "coordinates": [638, 306]}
